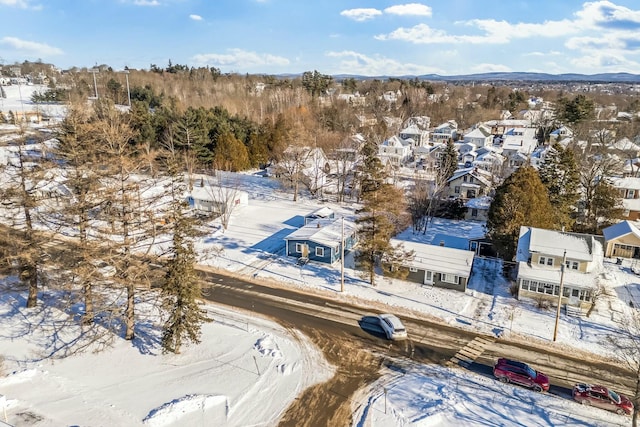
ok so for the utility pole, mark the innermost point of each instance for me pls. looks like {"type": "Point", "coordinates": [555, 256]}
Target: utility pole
{"type": "Point", "coordinates": [126, 74]}
{"type": "Point", "coordinates": [94, 71]}
{"type": "Point", "coordinates": [562, 267]}
{"type": "Point", "coordinates": [342, 259]}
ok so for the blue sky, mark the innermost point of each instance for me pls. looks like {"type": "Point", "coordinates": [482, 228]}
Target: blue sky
{"type": "Point", "coordinates": [332, 36]}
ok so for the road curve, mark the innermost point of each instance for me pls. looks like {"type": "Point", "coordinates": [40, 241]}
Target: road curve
{"type": "Point", "coordinates": [340, 330]}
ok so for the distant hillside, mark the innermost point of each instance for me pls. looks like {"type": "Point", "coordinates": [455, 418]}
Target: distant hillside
{"type": "Point", "coordinates": [513, 76]}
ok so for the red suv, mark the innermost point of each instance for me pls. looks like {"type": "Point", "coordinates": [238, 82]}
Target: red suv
{"type": "Point", "coordinates": [601, 397]}
{"type": "Point", "coordinates": [511, 371]}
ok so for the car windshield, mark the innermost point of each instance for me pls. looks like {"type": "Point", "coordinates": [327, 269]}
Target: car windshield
{"type": "Point", "coordinates": [531, 372]}
{"type": "Point", "coordinates": [614, 396]}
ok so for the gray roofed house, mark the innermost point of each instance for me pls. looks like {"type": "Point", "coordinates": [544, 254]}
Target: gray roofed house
{"type": "Point", "coordinates": [439, 266]}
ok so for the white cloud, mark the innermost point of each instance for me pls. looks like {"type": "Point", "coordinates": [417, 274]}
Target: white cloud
{"type": "Point", "coordinates": [196, 17]}
{"type": "Point", "coordinates": [357, 63]}
{"type": "Point", "coordinates": [415, 9]}
{"type": "Point", "coordinates": [240, 59]}
{"type": "Point", "coordinates": [604, 61]}
{"type": "Point", "coordinates": [423, 34]}
{"type": "Point", "coordinates": [490, 68]}
{"type": "Point", "coordinates": [22, 4]}
{"type": "Point", "coordinates": [30, 48]}
{"type": "Point", "coordinates": [146, 2]}
{"type": "Point", "coordinates": [360, 15]}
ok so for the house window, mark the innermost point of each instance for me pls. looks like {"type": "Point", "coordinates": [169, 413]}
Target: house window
{"type": "Point", "coordinates": [572, 265]}
{"type": "Point", "coordinates": [319, 251]}
{"type": "Point", "coordinates": [542, 260]}
{"type": "Point", "coordinates": [471, 179]}
{"type": "Point", "coordinates": [450, 278]}
{"type": "Point", "coordinates": [456, 190]}
{"type": "Point", "coordinates": [474, 212]}
{"type": "Point", "coordinates": [524, 284]}
{"type": "Point", "coordinates": [465, 178]}
{"type": "Point", "coordinates": [299, 248]}
{"type": "Point", "coordinates": [428, 276]}
{"type": "Point", "coordinates": [413, 269]}
{"type": "Point", "coordinates": [631, 194]}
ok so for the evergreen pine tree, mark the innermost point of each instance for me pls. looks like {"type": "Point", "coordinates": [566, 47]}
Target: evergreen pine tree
{"type": "Point", "coordinates": [181, 288]}
{"type": "Point", "coordinates": [521, 200]}
{"type": "Point", "coordinates": [559, 174]}
{"type": "Point", "coordinates": [380, 217]}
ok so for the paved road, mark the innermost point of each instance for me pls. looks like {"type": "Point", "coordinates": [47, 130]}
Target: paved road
{"type": "Point", "coordinates": [356, 346]}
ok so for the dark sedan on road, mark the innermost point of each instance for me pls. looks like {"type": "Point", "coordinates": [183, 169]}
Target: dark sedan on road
{"type": "Point", "coordinates": [602, 397]}
{"type": "Point", "coordinates": [512, 371]}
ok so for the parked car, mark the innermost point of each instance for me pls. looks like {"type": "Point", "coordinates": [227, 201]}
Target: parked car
{"type": "Point", "coordinates": [392, 327]}
{"type": "Point", "coordinates": [512, 371]}
{"type": "Point", "coordinates": [602, 397]}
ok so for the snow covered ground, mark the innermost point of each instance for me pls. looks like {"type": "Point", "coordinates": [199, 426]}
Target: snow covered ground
{"type": "Point", "coordinates": [247, 371]}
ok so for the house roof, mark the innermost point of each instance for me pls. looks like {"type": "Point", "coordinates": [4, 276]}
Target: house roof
{"type": "Point", "coordinates": [552, 275]}
{"type": "Point", "coordinates": [439, 258]}
{"type": "Point", "coordinates": [323, 212]}
{"type": "Point", "coordinates": [478, 132]}
{"type": "Point", "coordinates": [628, 183]}
{"type": "Point", "coordinates": [327, 232]}
{"type": "Point", "coordinates": [579, 247]}
{"type": "Point", "coordinates": [412, 130]}
{"type": "Point", "coordinates": [620, 229]}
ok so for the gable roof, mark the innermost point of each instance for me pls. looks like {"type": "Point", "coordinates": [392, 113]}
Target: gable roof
{"type": "Point", "coordinates": [326, 232]}
{"type": "Point", "coordinates": [582, 247]}
{"type": "Point", "coordinates": [620, 229]}
{"type": "Point", "coordinates": [439, 258]}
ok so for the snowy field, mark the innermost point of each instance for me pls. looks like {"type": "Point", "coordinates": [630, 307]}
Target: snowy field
{"type": "Point", "coordinates": [246, 372]}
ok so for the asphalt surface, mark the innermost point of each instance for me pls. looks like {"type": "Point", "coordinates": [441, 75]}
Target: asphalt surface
{"type": "Point", "coordinates": [340, 328]}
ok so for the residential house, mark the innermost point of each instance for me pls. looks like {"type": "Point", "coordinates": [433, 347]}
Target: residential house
{"type": "Point", "coordinates": [563, 132]}
{"type": "Point", "coordinates": [548, 260]}
{"type": "Point", "coordinates": [394, 151]}
{"type": "Point", "coordinates": [622, 240]}
{"type": "Point", "coordinates": [415, 136]}
{"type": "Point", "coordinates": [478, 208]}
{"type": "Point", "coordinates": [321, 240]}
{"type": "Point", "coordinates": [438, 266]}
{"type": "Point", "coordinates": [469, 183]}
{"type": "Point", "coordinates": [490, 160]}
{"type": "Point", "coordinates": [538, 156]}
{"type": "Point", "coordinates": [500, 127]}
{"type": "Point", "coordinates": [445, 132]}
{"type": "Point", "coordinates": [629, 189]}
{"type": "Point", "coordinates": [480, 136]}
{"type": "Point", "coordinates": [216, 199]}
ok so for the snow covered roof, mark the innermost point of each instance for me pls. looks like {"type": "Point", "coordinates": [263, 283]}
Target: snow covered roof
{"type": "Point", "coordinates": [327, 232]}
{"type": "Point", "coordinates": [620, 229]}
{"type": "Point", "coordinates": [552, 275]}
{"type": "Point", "coordinates": [479, 202]}
{"type": "Point", "coordinates": [323, 212]}
{"type": "Point", "coordinates": [450, 241]}
{"type": "Point", "coordinates": [628, 183]}
{"type": "Point", "coordinates": [579, 247]}
{"type": "Point", "coordinates": [439, 258]}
